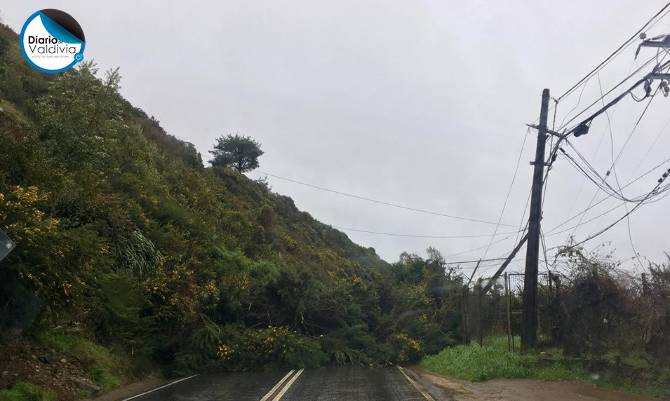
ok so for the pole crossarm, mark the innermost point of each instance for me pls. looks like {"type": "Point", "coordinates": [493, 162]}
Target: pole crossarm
{"type": "Point", "coordinates": [547, 130]}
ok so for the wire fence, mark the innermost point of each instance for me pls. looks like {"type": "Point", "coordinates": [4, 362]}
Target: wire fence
{"type": "Point", "coordinates": [498, 311]}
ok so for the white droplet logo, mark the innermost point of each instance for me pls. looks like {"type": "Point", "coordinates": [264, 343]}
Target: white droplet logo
{"type": "Point", "coordinates": [47, 45]}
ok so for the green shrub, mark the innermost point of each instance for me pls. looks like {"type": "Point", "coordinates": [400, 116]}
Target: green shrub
{"type": "Point", "coordinates": [103, 378]}
{"type": "Point", "coordinates": [23, 391]}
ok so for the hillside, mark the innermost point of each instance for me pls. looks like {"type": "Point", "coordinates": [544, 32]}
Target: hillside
{"type": "Point", "coordinates": [133, 257]}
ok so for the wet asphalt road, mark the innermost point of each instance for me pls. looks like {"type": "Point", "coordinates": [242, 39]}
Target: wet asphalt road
{"type": "Point", "coordinates": [324, 384]}
{"type": "Point", "coordinates": [352, 384]}
{"type": "Point", "coordinates": [219, 387]}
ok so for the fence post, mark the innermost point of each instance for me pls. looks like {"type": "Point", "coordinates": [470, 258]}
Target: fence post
{"type": "Point", "coordinates": [510, 338]}
{"type": "Point", "coordinates": [481, 314]}
{"type": "Point", "coordinates": [466, 312]}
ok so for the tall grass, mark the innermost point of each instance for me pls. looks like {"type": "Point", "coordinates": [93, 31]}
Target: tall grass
{"type": "Point", "coordinates": [493, 360]}
{"type": "Point", "coordinates": [23, 391]}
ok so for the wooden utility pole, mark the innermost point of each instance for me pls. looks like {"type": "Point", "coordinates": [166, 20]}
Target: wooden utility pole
{"type": "Point", "coordinates": [529, 314]}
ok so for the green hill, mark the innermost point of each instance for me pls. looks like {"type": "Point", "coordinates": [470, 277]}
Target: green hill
{"type": "Point", "coordinates": [132, 255]}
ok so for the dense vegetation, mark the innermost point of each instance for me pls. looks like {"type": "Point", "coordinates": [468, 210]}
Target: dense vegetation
{"type": "Point", "coordinates": [598, 322]}
{"type": "Point", "coordinates": [129, 249]}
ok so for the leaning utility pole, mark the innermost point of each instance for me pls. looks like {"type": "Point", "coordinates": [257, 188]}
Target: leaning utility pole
{"type": "Point", "coordinates": [529, 314]}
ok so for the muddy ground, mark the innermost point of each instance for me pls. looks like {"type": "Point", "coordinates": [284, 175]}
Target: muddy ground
{"type": "Point", "coordinates": [21, 360]}
{"type": "Point", "coordinates": [526, 390]}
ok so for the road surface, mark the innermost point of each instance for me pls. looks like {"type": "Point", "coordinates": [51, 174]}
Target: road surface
{"type": "Point", "coordinates": [323, 384]}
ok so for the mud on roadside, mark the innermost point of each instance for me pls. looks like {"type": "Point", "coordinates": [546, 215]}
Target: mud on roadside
{"type": "Point", "coordinates": [524, 390]}
{"type": "Point", "coordinates": [21, 360]}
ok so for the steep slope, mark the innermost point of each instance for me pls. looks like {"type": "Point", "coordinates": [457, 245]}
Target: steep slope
{"type": "Point", "coordinates": [128, 246]}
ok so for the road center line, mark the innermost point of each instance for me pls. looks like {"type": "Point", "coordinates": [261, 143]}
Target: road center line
{"type": "Point", "coordinates": [160, 387]}
{"type": "Point", "coordinates": [267, 396]}
{"type": "Point", "coordinates": [286, 387]}
{"type": "Point", "coordinates": [415, 385]}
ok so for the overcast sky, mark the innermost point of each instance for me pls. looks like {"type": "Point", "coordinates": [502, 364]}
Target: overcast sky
{"type": "Point", "coordinates": [419, 103]}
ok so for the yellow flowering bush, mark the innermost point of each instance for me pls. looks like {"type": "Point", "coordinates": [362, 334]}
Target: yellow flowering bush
{"type": "Point", "coordinates": [236, 347]}
{"type": "Point", "coordinates": [409, 349]}
{"type": "Point", "coordinates": [21, 216]}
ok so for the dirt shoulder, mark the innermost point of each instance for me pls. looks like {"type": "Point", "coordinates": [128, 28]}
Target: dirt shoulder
{"type": "Point", "coordinates": [525, 390]}
{"type": "Point", "coordinates": [130, 390]}
{"type": "Point", "coordinates": [21, 360]}
{"type": "Point", "coordinates": [24, 361]}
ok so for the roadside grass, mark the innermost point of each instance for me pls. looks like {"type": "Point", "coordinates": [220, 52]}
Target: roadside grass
{"type": "Point", "coordinates": [23, 391]}
{"type": "Point", "coordinates": [103, 378]}
{"type": "Point", "coordinates": [493, 360]}
{"type": "Point", "coordinates": [103, 366]}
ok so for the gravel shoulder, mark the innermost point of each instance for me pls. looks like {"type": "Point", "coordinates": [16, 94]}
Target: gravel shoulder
{"type": "Point", "coordinates": [525, 390]}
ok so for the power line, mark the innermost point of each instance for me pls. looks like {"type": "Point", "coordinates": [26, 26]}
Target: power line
{"type": "Point", "coordinates": [581, 223]}
{"type": "Point", "coordinates": [637, 123]}
{"type": "Point", "coordinates": [509, 191]}
{"type": "Point", "coordinates": [584, 80]}
{"type": "Point", "coordinates": [637, 206]}
{"type": "Point", "coordinates": [651, 146]}
{"type": "Point", "coordinates": [631, 182]}
{"type": "Point", "coordinates": [579, 101]}
{"type": "Point", "coordinates": [618, 50]}
{"type": "Point", "coordinates": [456, 236]}
{"type": "Point", "coordinates": [491, 267]}
{"type": "Point", "coordinates": [496, 261]}
{"type": "Point", "coordinates": [616, 176]}
{"type": "Point", "coordinates": [623, 81]}
{"type": "Point", "coordinates": [601, 184]}
{"type": "Point", "coordinates": [544, 248]}
{"type": "Point", "coordinates": [606, 188]}
{"type": "Point", "coordinates": [595, 153]}
{"type": "Point", "coordinates": [589, 119]}
{"type": "Point", "coordinates": [477, 248]}
{"type": "Point", "coordinates": [553, 153]}
{"type": "Point", "coordinates": [385, 203]}
{"type": "Point", "coordinates": [460, 262]}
